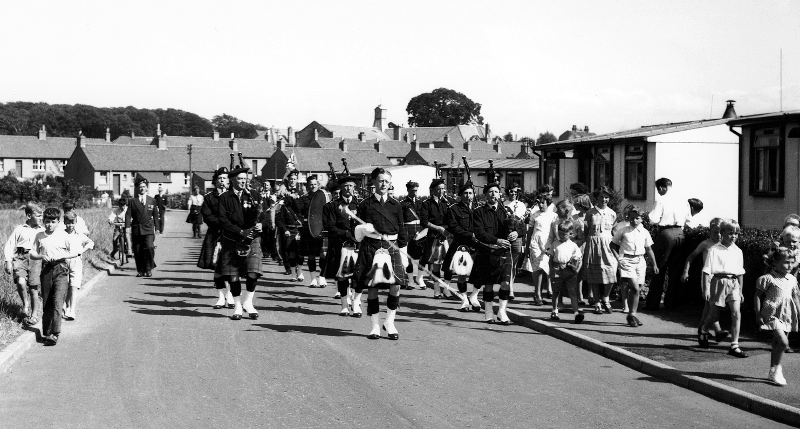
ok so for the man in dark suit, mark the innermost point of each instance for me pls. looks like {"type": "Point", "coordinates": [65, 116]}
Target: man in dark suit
{"type": "Point", "coordinates": [161, 202]}
{"type": "Point", "coordinates": [143, 220]}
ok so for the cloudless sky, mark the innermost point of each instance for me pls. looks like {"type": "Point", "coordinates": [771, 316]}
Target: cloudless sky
{"type": "Point", "coordinates": [533, 65]}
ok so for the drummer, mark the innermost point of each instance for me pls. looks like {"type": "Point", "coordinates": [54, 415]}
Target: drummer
{"type": "Point", "coordinates": [412, 207]}
{"type": "Point", "coordinates": [386, 216]}
{"type": "Point", "coordinates": [288, 223]}
{"type": "Point", "coordinates": [339, 227]}
{"type": "Point", "coordinates": [432, 217]}
{"type": "Point", "coordinates": [309, 246]}
{"type": "Point", "coordinates": [460, 224]}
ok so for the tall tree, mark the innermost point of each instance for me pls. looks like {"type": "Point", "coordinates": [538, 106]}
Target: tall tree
{"type": "Point", "coordinates": [508, 137]}
{"type": "Point", "coordinates": [546, 137]}
{"type": "Point", "coordinates": [443, 107]}
{"type": "Point", "coordinates": [227, 124]}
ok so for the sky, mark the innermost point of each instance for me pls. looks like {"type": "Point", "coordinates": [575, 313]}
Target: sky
{"type": "Point", "coordinates": [534, 66]}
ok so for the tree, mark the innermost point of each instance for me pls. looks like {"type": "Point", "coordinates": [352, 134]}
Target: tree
{"type": "Point", "coordinates": [508, 137]}
{"type": "Point", "coordinates": [227, 124]}
{"type": "Point", "coordinates": [443, 108]}
{"type": "Point", "coordinates": [546, 137]}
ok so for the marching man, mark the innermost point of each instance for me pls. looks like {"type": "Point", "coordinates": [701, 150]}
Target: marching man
{"type": "Point", "coordinates": [341, 245]}
{"type": "Point", "coordinates": [460, 224]}
{"type": "Point", "coordinates": [379, 264]}
{"type": "Point", "coordinates": [311, 247]}
{"type": "Point", "coordinates": [210, 212]}
{"type": "Point", "coordinates": [412, 207]}
{"type": "Point", "coordinates": [433, 218]}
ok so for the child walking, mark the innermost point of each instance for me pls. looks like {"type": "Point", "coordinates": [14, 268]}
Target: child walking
{"type": "Point", "coordinates": [702, 248]}
{"type": "Point", "coordinates": [540, 265]}
{"type": "Point", "coordinates": [81, 243]}
{"type": "Point", "coordinates": [25, 271]}
{"type": "Point", "coordinates": [600, 264]}
{"type": "Point", "coordinates": [630, 244]}
{"type": "Point", "coordinates": [725, 266]}
{"type": "Point", "coordinates": [52, 247]}
{"type": "Point", "coordinates": [565, 264]}
{"type": "Point", "coordinates": [777, 312]}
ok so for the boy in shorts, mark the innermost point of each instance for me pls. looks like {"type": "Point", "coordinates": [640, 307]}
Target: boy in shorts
{"type": "Point", "coordinates": [725, 266]}
{"type": "Point", "coordinates": [52, 247]}
{"type": "Point", "coordinates": [25, 271]}
{"type": "Point", "coordinates": [629, 244]}
{"type": "Point", "coordinates": [81, 243]}
{"type": "Point", "coordinates": [565, 263]}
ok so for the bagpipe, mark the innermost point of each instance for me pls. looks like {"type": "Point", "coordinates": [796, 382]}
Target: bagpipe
{"type": "Point", "coordinates": [252, 211]}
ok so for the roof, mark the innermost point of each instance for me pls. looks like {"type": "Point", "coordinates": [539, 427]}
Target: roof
{"type": "Point", "coordinates": [155, 176]}
{"type": "Point", "coordinates": [31, 147]}
{"type": "Point", "coordinates": [458, 134]}
{"type": "Point", "coordinates": [315, 159]}
{"type": "Point", "coordinates": [575, 133]}
{"type": "Point", "coordinates": [149, 158]}
{"type": "Point", "coordinates": [350, 132]}
{"type": "Point", "coordinates": [763, 117]}
{"type": "Point", "coordinates": [390, 148]}
{"type": "Point", "coordinates": [205, 175]}
{"type": "Point", "coordinates": [258, 147]}
{"type": "Point", "coordinates": [640, 133]}
{"type": "Point", "coordinates": [444, 156]}
{"type": "Point", "coordinates": [506, 164]}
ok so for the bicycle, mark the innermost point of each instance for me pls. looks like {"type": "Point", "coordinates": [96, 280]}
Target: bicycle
{"type": "Point", "coordinates": [122, 246]}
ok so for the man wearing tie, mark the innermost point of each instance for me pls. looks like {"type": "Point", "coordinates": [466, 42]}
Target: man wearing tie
{"type": "Point", "coordinates": [143, 220]}
{"type": "Point", "coordinates": [161, 202]}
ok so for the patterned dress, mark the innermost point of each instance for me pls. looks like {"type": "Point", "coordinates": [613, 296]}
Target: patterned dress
{"type": "Point", "coordinates": [779, 310]}
{"type": "Point", "coordinates": [600, 265]}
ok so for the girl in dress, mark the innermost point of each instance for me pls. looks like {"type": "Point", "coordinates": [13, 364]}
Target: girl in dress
{"type": "Point", "coordinates": [599, 262]}
{"type": "Point", "coordinates": [779, 312]}
{"type": "Point", "coordinates": [541, 221]}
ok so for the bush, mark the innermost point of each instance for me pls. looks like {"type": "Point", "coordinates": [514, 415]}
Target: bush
{"type": "Point", "coordinates": [46, 190]}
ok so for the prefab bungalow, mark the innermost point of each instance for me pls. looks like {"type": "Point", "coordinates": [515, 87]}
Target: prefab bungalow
{"type": "Point", "coordinates": [769, 148]}
{"type": "Point", "coordinates": [700, 157]}
{"type": "Point", "coordinates": [522, 171]}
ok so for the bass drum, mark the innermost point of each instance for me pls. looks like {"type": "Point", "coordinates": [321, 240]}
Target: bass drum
{"type": "Point", "coordinates": [315, 222]}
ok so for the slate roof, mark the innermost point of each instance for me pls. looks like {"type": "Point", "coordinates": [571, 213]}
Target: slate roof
{"type": "Point", "coordinates": [30, 147]}
{"type": "Point", "coordinates": [148, 158]}
{"type": "Point", "coordinates": [314, 159]}
{"type": "Point", "coordinates": [390, 148]}
{"type": "Point", "coordinates": [763, 117]}
{"type": "Point", "coordinates": [155, 176]}
{"type": "Point", "coordinates": [506, 164]}
{"type": "Point", "coordinates": [640, 133]}
{"type": "Point", "coordinates": [350, 132]}
{"type": "Point", "coordinates": [444, 156]}
{"type": "Point", "coordinates": [458, 134]}
{"type": "Point", "coordinates": [255, 148]}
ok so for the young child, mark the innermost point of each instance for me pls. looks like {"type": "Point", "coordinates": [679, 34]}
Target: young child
{"type": "Point", "coordinates": [702, 248]}
{"type": "Point", "coordinates": [599, 261]}
{"type": "Point", "coordinates": [779, 312]}
{"type": "Point", "coordinates": [79, 225]}
{"type": "Point", "coordinates": [564, 209]}
{"type": "Point", "coordinates": [622, 222]}
{"type": "Point", "coordinates": [117, 220]}
{"type": "Point", "coordinates": [81, 243]}
{"type": "Point", "coordinates": [725, 266]}
{"type": "Point", "coordinates": [793, 219]}
{"type": "Point", "coordinates": [565, 263]}
{"type": "Point", "coordinates": [630, 244]}
{"type": "Point", "coordinates": [16, 253]}
{"type": "Point", "coordinates": [540, 266]}
{"type": "Point", "coordinates": [52, 247]}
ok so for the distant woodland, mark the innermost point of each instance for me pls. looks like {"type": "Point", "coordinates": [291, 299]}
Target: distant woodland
{"type": "Point", "coordinates": [65, 120]}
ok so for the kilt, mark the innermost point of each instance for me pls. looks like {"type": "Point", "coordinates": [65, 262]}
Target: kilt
{"type": "Point", "coordinates": [194, 216]}
{"type": "Point", "coordinates": [448, 258]}
{"type": "Point", "coordinates": [415, 248]}
{"type": "Point", "coordinates": [429, 243]}
{"type": "Point", "coordinates": [491, 266]}
{"type": "Point", "coordinates": [364, 263]}
{"type": "Point", "coordinates": [290, 244]}
{"type": "Point", "coordinates": [206, 259]}
{"type": "Point", "coordinates": [332, 259]}
{"type": "Point", "coordinates": [231, 264]}
{"type": "Point", "coordinates": [309, 246]}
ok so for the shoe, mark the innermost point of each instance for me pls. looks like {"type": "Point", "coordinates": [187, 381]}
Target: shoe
{"type": "Point", "coordinates": [139, 274]}
{"type": "Point", "coordinates": [70, 316]}
{"type": "Point", "coordinates": [148, 274]}
{"type": "Point", "coordinates": [373, 336]}
{"type": "Point", "coordinates": [218, 306]}
{"type": "Point", "coordinates": [776, 375]}
{"type": "Point", "coordinates": [344, 312]}
{"type": "Point", "coordinates": [702, 340]}
{"type": "Point", "coordinates": [490, 321]}
{"type": "Point", "coordinates": [592, 301]}
{"type": "Point", "coordinates": [638, 322]}
{"type": "Point", "coordinates": [582, 302]}
{"type": "Point", "coordinates": [607, 307]}
{"type": "Point", "coordinates": [253, 316]}
{"type": "Point", "coordinates": [357, 315]}
{"type": "Point", "coordinates": [631, 321]}
{"type": "Point", "coordinates": [288, 273]}
{"type": "Point", "coordinates": [113, 254]}
{"type": "Point", "coordinates": [236, 317]}
{"type": "Point", "coordinates": [394, 336]}
{"type": "Point", "coordinates": [538, 301]}
{"type": "Point", "coordinates": [438, 296]}
{"type": "Point", "coordinates": [300, 277]}
{"type": "Point", "coordinates": [554, 316]}
{"type": "Point", "coordinates": [313, 283]}
{"type": "Point", "coordinates": [321, 282]}
{"type": "Point", "coordinates": [50, 340]}
{"type": "Point", "coordinates": [579, 317]}
{"type": "Point", "coordinates": [737, 352]}
{"type": "Point", "coordinates": [597, 309]}
{"type": "Point", "coordinates": [229, 305]}
{"type": "Point", "coordinates": [511, 297]}
{"type": "Point", "coordinates": [721, 335]}
{"type": "Point", "coordinates": [31, 320]}
{"type": "Point", "coordinates": [337, 296]}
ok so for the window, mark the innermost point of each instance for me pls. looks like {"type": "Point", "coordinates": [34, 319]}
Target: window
{"type": "Point", "coordinates": [38, 165]}
{"type": "Point", "coordinates": [635, 172]}
{"type": "Point", "coordinates": [2, 166]}
{"type": "Point", "coordinates": [766, 162]}
{"type": "Point", "coordinates": [186, 179]}
{"type": "Point", "coordinates": [551, 174]}
{"type": "Point", "coordinates": [454, 179]}
{"type": "Point", "coordinates": [255, 168]}
{"type": "Point", "coordinates": [603, 167]}
{"type": "Point", "coordinates": [103, 178]}
{"type": "Point", "coordinates": [515, 177]}
{"type": "Point", "coordinates": [585, 171]}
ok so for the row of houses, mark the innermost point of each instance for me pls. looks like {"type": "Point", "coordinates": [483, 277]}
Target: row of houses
{"type": "Point", "coordinates": [741, 167]}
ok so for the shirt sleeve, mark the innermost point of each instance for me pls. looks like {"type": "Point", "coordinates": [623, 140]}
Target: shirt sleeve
{"type": "Point", "coordinates": [617, 238]}
{"type": "Point", "coordinates": [710, 256]}
{"type": "Point", "coordinates": [8, 248]}
{"type": "Point", "coordinates": [762, 283]}
{"type": "Point", "coordinates": [658, 211]}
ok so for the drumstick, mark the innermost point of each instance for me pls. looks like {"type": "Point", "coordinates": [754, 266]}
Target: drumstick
{"type": "Point", "coordinates": [442, 283]}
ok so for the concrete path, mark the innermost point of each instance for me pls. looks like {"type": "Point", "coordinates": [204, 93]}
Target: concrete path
{"type": "Point", "coordinates": [152, 353]}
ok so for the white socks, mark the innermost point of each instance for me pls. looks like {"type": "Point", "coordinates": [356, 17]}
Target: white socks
{"type": "Point", "coordinates": [357, 303]}
{"type": "Point", "coordinates": [248, 302]}
{"type": "Point", "coordinates": [237, 308]}
{"type": "Point", "coordinates": [376, 324]}
{"type": "Point", "coordinates": [229, 295]}
{"type": "Point", "coordinates": [488, 310]}
{"type": "Point", "coordinates": [345, 305]}
{"type": "Point", "coordinates": [389, 323]}
{"type": "Point", "coordinates": [473, 297]}
{"type": "Point", "coordinates": [501, 312]}
{"type": "Point", "coordinates": [221, 301]}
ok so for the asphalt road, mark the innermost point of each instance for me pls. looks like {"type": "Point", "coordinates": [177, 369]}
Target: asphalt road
{"type": "Point", "coordinates": [152, 353]}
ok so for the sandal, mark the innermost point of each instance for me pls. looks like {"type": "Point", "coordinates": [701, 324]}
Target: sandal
{"type": "Point", "coordinates": [31, 320]}
{"type": "Point", "coordinates": [736, 351]}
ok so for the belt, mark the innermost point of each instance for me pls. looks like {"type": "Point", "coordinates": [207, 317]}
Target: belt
{"type": "Point", "coordinates": [413, 222]}
{"type": "Point", "coordinates": [382, 237]}
{"type": "Point", "coordinates": [725, 276]}
{"type": "Point", "coordinates": [628, 255]}
{"type": "Point", "coordinates": [22, 251]}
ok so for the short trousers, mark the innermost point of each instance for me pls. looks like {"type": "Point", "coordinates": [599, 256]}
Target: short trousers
{"type": "Point", "coordinates": [23, 267]}
{"type": "Point", "coordinates": [725, 290]}
{"type": "Point", "coordinates": [564, 281]}
{"type": "Point", "coordinates": [633, 267]}
{"type": "Point", "coordinates": [75, 266]}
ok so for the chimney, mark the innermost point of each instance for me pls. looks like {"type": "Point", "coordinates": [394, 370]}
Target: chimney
{"type": "Point", "coordinates": [378, 147]}
{"type": "Point", "coordinates": [498, 147]}
{"type": "Point", "coordinates": [574, 128]}
{"type": "Point", "coordinates": [586, 129]}
{"type": "Point", "coordinates": [271, 136]}
{"type": "Point", "coordinates": [42, 134]}
{"type": "Point", "coordinates": [291, 136]}
{"type": "Point", "coordinates": [396, 133]}
{"type": "Point", "coordinates": [468, 146]}
{"type": "Point", "coordinates": [280, 144]}
{"type": "Point", "coordinates": [108, 135]}
{"type": "Point", "coordinates": [216, 135]}
{"type": "Point", "coordinates": [158, 130]}
{"type": "Point", "coordinates": [81, 139]}
{"type": "Point", "coordinates": [380, 118]}
{"type": "Point", "coordinates": [446, 138]}
{"type": "Point", "coordinates": [523, 148]}
{"type": "Point", "coordinates": [133, 135]}
{"type": "Point", "coordinates": [234, 144]}
{"type": "Point", "coordinates": [415, 145]}
{"type": "Point", "coordinates": [316, 135]}
{"type": "Point", "coordinates": [362, 136]}
{"type": "Point", "coordinates": [161, 141]}
{"type": "Point", "coordinates": [488, 134]}
{"type": "Point", "coordinates": [343, 146]}
{"type": "Point", "coordinates": [729, 112]}
{"type": "Point", "coordinates": [405, 138]}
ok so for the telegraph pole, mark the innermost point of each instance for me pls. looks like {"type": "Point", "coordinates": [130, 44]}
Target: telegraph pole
{"type": "Point", "coordinates": [189, 150]}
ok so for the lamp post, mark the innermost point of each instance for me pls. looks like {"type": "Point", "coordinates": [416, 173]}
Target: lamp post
{"type": "Point", "coordinates": [189, 151]}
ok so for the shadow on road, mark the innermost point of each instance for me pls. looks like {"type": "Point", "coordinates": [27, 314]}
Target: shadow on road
{"type": "Point", "coordinates": [315, 330]}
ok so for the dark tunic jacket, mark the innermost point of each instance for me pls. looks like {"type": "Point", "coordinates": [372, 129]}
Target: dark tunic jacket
{"type": "Point", "coordinates": [236, 216]}
{"type": "Point", "coordinates": [490, 225]}
{"type": "Point", "coordinates": [412, 209]}
{"type": "Point", "coordinates": [337, 222]}
{"type": "Point", "coordinates": [210, 210]}
{"type": "Point", "coordinates": [285, 220]}
{"type": "Point", "coordinates": [387, 218]}
{"type": "Point", "coordinates": [433, 212]}
{"type": "Point", "coordinates": [460, 223]}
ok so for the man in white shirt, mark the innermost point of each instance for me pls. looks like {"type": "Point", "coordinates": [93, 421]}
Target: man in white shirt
{"type": "Point", "coordinates": [670, 214]}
